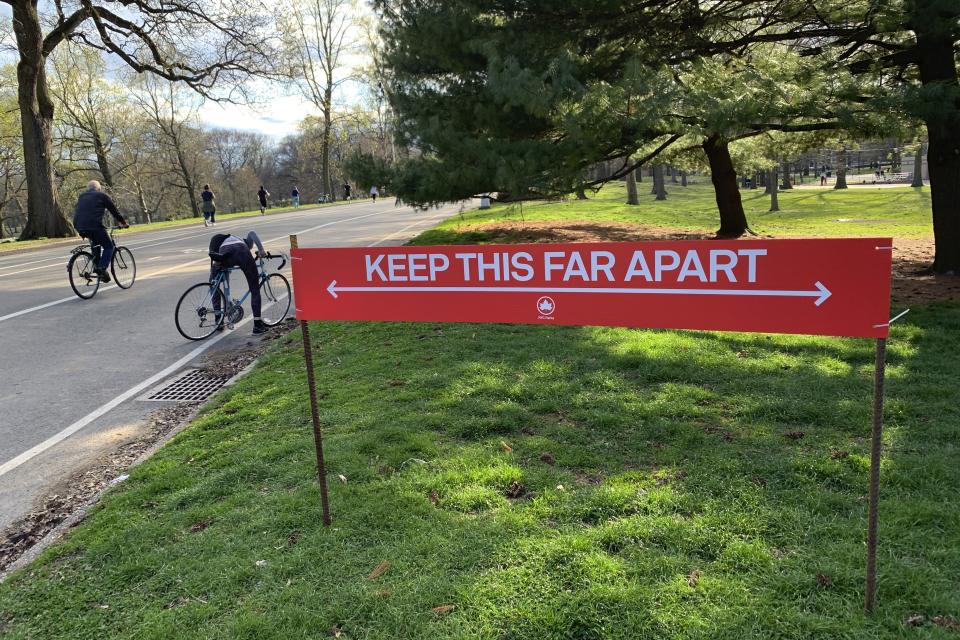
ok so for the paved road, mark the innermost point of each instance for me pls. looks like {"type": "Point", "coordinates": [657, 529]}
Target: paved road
{"type": "Point", "coordinates": [72, 369]}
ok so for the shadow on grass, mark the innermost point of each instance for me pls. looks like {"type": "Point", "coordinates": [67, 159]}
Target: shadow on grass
{"type": "Point", "coordinates": [549, 482]}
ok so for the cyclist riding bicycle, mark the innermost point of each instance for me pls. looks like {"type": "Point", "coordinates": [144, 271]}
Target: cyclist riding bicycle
{"type": "Point", "coordinates": [230, 251]}
{"type": "Point", "coordinates": [88, 221]}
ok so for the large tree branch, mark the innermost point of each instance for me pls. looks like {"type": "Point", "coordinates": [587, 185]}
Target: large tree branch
{"type": "Point", "coordinates": [63, 30]}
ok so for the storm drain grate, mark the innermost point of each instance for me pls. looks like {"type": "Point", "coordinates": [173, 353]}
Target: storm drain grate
{"type": "Point", "coordinates": [193, 385]}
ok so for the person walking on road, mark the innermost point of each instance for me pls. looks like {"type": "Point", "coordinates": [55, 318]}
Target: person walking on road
{"type": "Point", "coordinates": [230, 251]}
{"type": "Point", "coordinates": [88, 221]}
{"type": "Point", "coordinates": [295, 197]}
{"type": "Point", "coordinates": [346, 190]}
{"type": "Point", "coordinates": [209, 205]}
{"type": "Point", "coordinates": [374, 192]}
{"type": "Point", "coordinates": [262, 195]}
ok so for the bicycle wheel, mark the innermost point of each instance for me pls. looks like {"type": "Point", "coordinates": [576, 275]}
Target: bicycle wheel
{"type": "Point", "coordinates": [83, 280]}
{"type": "Point", "coordinates": [196, 314]}
{"type": "Point", "coordinates": [123, 267]}
{"type": "Point", "coordinates": [275, 297]}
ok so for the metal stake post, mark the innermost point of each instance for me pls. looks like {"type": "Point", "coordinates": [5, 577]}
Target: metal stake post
{"type": "Point", "coordinates": [314, 412]}
{"type": "Point", "coordinates": [875, 445]}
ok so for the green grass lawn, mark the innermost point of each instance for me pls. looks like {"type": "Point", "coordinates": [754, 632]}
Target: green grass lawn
{"type": "Point", "coordinates": [902, 212]}
{"type": "Point", "coordinates": [520, 482]}
{"type": "Point", "coordinates": [547, 482]}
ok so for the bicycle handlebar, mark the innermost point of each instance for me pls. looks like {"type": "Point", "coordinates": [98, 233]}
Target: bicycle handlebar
{"type": "Point", "coordinates": [270, 256]}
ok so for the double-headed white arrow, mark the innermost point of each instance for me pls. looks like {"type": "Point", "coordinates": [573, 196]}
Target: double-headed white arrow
{"type": "Point", "coordinates": [821, 293]}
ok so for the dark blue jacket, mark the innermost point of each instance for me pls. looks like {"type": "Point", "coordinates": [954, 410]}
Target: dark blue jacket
{"type": "Point", "coordinates": [91, 206]}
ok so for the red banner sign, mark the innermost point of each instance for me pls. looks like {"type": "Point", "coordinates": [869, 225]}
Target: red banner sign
{"type": "Point", "coordinates": [838, 287]}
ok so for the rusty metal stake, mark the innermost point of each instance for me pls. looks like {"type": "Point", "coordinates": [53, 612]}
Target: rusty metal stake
{"type": "Point", "coordinates": [314, 412]}
{"type": "Point", "coordinates": [875, 446]}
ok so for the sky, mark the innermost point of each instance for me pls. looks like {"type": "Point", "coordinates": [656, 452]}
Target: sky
{"type": "Point", "coordinates": [278, 112]}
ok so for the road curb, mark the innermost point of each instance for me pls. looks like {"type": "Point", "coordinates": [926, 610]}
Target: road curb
{"type": "Point", "coordinates": [56, 534]}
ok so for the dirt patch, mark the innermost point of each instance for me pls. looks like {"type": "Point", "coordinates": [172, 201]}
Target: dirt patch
{"type": "Point", "coordinates": [911, 283]}
{"type": "Point", "coordinates": [76, 493]}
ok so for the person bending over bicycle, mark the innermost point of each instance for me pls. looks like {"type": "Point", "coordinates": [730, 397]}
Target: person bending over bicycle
{"type": "Point", "coordinates": [88, 221]}
{"type": "Point", "coordinates": [230, 251]}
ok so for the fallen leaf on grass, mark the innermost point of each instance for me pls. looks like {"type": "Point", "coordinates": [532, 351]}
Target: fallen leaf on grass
{"type": "Point", "coordinates": [385, 593]}
{"type": "Point", "coordinates": [547, 458]}
{"type": "Point", "coordinates": [515, 490]}
{"type": "Point", "coordinates": [506, 448]}
{"type": "Point", "coordinates": [435, 497]}
{"type": "Point", "coordinates": [444, 608]}
{"type": "Point", "coordinates": [946, 622]}
{"type": "Point", "coordinates": [343, 478]}
{"type": "Point", "coordinates": [261, 563]}
{"type": "Point", "coordinates": [335, 631]}
{"type": "Point", "coordinates": [837, 454]}
{"type": "Point", "coordinates": [559, 487]}
{"type": "Point", "coordinates": [379, 570]}
{"type": "Point", "coordinates": [824, 580]}
{"type": "Point", "coordinates": [200, 525]}
{"type": "Point", "coordinates": [915, 620]}
{"type": "Point", "coordinates": [293, 539]}
{"type": "Point", "coordinates": [794, 435]}
{"type": "Point", "coordinates": [693, 578]}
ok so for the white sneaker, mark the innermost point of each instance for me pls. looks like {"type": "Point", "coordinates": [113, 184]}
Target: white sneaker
{"type": "Point", "coordinates": [205, 223]}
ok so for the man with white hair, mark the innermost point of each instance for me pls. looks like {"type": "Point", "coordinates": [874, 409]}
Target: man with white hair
{"type": "Point", "coordinates": [88, 221]}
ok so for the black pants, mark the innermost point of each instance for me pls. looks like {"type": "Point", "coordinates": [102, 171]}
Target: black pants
{"type": "Point", "coordinates": [102, 245]}
{"type": "Point", "coordinates": [237, 255]}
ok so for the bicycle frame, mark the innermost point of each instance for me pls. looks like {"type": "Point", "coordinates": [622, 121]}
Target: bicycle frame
{"type": "Point", "coordinates": [223, 279]}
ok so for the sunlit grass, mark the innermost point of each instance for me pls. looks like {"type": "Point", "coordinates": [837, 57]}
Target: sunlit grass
{"type": "Point", "coordinates": [902, 212]}
{"type": "Point", "coordinates": [548, 482]}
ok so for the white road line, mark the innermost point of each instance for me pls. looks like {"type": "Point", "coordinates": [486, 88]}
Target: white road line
{"type": "Point", "coordinates": [47, 305]}
{"type": "Point", "coordinates": [58, 261]}
{"type": "Point", "coordinates": [419, 222]}
{"type": "Point", "coordinates": [10, 465]}
{"type": "Point", "coordinates": [34, 451]}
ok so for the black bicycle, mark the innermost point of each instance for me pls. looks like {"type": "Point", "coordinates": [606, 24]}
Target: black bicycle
{"type": "Point", "coordinates": [207, 307]}
{"type": "Point", "coordinates": [82, 265]}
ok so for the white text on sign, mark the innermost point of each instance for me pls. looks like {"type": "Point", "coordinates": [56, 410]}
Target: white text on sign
{"type": "Point", "coordinates": [661, 265]}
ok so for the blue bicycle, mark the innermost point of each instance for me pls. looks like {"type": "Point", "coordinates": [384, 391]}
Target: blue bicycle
{"type": "Point", "coordinates": [208, 307]}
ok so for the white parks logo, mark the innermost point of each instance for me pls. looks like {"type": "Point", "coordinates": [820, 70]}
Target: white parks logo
{"type": "Point", "coordinates": [545, 308]}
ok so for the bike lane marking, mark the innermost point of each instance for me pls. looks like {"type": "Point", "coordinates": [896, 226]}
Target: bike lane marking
{"type": "Point", "coordinates": [57, 261]}
{"type": "Point", "coordinates": [47, 305]}
{"type": "Point", "coordinates": [36, 450]}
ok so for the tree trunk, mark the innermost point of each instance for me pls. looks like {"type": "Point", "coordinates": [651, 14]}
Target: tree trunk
{"type": "Point", "coordinates": [786, 177]}
{"type": "Point", "coordinates": [673, 175]}
{"type": "Point", "coordinates": [918, 166]}
{"type": "Point", "coordinates": [659, 181]}
{"type": "Point", "coordinates": [581, 194]}
{"type": "Point", "coordinates": [842, 170]}
{"type": "Point", "coordinates": [44, 216]}
{"type": "Point", "coordinates": [897, 164]}
{"type": "Point", "coordinates": [632, 197]}
{"type": "Point", "coordinates": [766, 182]}
{"type": "Point", "coordinates": [638, 174]}
{"type": "Point", "coordinates": [187, 177]}
{"type": "Point", "coordinates": [733, 222]}
{"type": "Point", "coordinates": [772, 181]}
{"type": "Point", "coordinates": [103, 162]}
{"type": "Point", "coordinates": [142, 201]}
{"type": "Point", "coordinates": [938, 73]}
{"type": "Point", "coordinates": [683, 179]}
{"type": "Point", "coordinates": [755, 183]}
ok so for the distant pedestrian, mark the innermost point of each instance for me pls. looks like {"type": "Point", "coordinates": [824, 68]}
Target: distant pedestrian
{"type": "Point", "coordinates": [209, 206]}
{"type": "Point", "coordinates": [262, 195]}
{"type": "Point", "coordinates": [295, 197]}
{"type": "Point", "coordinates": [346, 190]}
{"type": "Point", "coordinates": [374, 192]}
{"type": "Point", "coordinates": [823, 178]}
